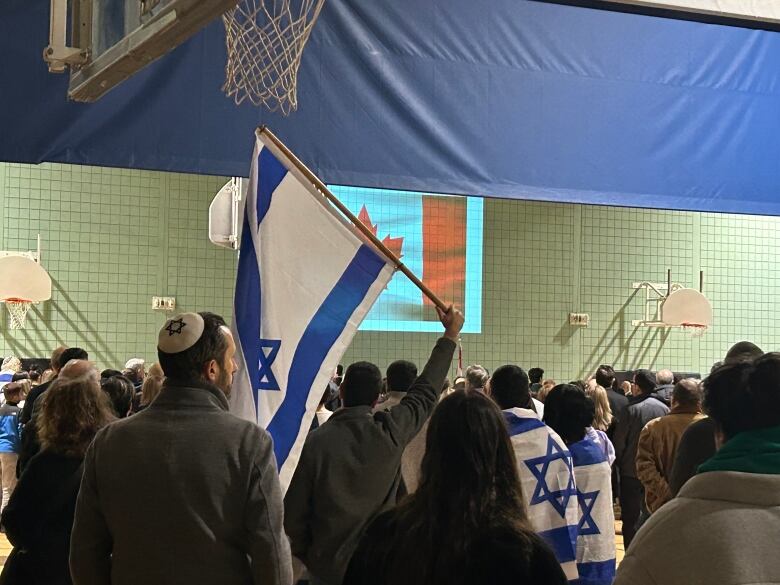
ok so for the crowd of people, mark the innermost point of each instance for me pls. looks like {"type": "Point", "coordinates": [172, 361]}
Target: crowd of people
{"type": "Point", "coordinates": [143, 476]}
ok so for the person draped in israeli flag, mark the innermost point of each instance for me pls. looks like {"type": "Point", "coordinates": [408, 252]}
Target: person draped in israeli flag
{"type": "Point", "coordinates": [305, 281]}
{"type": "Point", "coordinates": [544, 465]}
{"type": "Point", "coordinates": [570, 412]}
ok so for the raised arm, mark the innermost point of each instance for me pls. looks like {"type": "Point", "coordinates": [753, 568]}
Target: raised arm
{"type": "Point", "coordinates": [407, 418]}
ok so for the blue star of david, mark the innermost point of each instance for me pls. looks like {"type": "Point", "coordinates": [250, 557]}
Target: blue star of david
{"type": "Point", "coordinates": [265, 377]}
{"type": "Point", "coordinates": [539, 466]}
{"type": "Point", "coordinates": [587, 524]}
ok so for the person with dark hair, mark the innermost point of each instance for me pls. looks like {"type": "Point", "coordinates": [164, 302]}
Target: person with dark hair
{"type": "Point", "coordinates": [350, 467]}
{"type": "Point", "coordinates": [605, 377]}
{"type": "Point", "coordinates": [543, 464]}
{"type": "Point", "coordinates": [10, 439]}
{"type": "Point", "coordinates": [26, 415]}
{"type": "Point", "coordinates": [30, 443]}
{"type": "Point", "coordinates": [109, 373]}
{"type": "Point", "coordinates": [186, 473]}
{"type": "Point", "coordinates": [400, 375]}
{"type": "Point", "coordinates": [467, 522]}
{"type": "Point", "coordinates": [643, 407]}
{"type": "Point", "coordinates": [39, 517]}
{"type": "Point", "coordinates": [535, 377]}
{"type": "Point", "coordinates": [659, 439]}
{"type": "Point", "coordinates": [698, 442]}
{"type": "Point", "coordinates": [569, 412]}
{"type": "Point", "coordinates": [731, 508]}
{"type": "Point", "coordinates": [120, 392]}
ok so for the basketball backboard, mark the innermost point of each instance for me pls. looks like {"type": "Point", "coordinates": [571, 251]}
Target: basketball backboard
{"type": "Point", "coordinates": [110, 40]}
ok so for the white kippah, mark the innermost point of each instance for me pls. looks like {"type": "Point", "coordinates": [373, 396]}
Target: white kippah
{"type": "Point", "coordinates": [180, 333]}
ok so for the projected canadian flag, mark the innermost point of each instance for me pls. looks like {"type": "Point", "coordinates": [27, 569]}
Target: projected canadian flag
{"type": "Point", "coordinates": [395, 245]}
{"type": "Point", "coordinates": [443, 249]}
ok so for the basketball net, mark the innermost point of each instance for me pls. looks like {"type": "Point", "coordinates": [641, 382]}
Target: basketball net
{"type": "Point", "coordinates": [265, 40]}
{"type": "Point", "coordinates": [17, 309]}
{"type": "Point", "coordinates": [694, 329]}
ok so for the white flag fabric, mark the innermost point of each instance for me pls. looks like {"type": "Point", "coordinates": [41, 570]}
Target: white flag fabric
{"type": "Point", "coordinates": [305, 282]}
{"type": "Point", "coordinates": [596, 527]}
{"type": "Point", "coordinates": [546, 473]}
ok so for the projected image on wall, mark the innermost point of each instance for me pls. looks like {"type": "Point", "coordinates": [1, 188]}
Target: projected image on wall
{"type": "Point", "coordinates": [439, 237]}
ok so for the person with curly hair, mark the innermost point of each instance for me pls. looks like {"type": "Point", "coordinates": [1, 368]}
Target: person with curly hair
{"type": "Point", "coordinates": [39, 516]}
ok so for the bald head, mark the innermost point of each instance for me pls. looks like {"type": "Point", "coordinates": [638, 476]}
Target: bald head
{"type": "Point", "coordinates": [687, 394]}
{"type": "Point", "coordinates": [77, 369]}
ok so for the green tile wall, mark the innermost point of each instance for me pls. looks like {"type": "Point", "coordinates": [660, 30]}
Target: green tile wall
{"type": "Point", "coordinates": [114, 238]}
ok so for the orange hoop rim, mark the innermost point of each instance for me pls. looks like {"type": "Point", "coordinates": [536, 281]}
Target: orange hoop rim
{"type": "Point", "coordinates": [693, 325]}
{"type": "Point", "coordinates": [15, 300]}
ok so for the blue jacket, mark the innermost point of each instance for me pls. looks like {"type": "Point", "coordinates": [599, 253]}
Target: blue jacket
{"type": "Point", "coordinates": [10, 437]}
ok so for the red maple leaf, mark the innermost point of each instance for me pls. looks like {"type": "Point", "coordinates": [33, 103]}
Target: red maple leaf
{"type": "Point", "coordinates": [395, 245]}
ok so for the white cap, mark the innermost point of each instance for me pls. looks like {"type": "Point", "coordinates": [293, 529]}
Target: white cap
{"type": "Point", "coordinates": [180, 333]}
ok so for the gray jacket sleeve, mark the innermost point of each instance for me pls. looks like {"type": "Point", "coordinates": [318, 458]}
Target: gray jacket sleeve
{"type": "Point", "coordinates": [90, 542]}
{"type": "Point", "coordinates": [407, 418]}
{"type": "Point", "coordinates": [268, 547]}
{"type": "Point", "coordinates": [297, 507]}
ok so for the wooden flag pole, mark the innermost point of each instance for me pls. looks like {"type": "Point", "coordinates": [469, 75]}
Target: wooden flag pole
{"type": "Point", "coordinates": [322, 188]}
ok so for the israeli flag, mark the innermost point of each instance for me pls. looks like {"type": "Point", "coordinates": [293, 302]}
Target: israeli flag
{"type": "Point", "coordinates": [596, 527]}
{"type": "Point", "coordinates": [546, 473]}
{"type": "Point", "coordinates": [305, 281]}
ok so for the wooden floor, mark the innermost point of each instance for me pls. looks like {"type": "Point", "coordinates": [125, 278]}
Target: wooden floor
{"type": "Point", "coordinates": [5, 546]}
{"type": "Point", "coordinates": [5, 549]}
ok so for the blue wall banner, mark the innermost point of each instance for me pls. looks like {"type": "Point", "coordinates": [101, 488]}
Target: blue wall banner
{"type": "Point", "coordinates": [513, 98]}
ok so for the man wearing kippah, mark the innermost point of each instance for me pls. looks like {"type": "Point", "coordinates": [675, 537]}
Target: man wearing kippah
{"type": "Point", "coordinates": [183, 492]}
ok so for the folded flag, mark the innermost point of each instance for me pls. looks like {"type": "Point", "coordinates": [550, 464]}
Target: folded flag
{"type": "Point", "coordinates": [305, 281]}
{"type": "Point", "coordinates": [596, 527]}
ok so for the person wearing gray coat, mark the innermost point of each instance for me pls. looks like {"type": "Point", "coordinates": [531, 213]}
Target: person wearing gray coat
{"type": "Point", "coordinates": [183, 492]}
{"type": "Point", "coordinates": [349, 471]}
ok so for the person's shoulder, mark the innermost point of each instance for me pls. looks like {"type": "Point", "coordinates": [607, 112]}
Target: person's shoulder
{"type": "Point", "coordinates": [652, 425]}
{"type": "Point", "coordinates": [503, 545]}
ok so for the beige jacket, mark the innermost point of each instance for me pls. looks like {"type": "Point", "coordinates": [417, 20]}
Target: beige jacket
{"type": "Point", "coordinates": [655, 454]}
{"type": "Point", "coordinates": [722, 529]}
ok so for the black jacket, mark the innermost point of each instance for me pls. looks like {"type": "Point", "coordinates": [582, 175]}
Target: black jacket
{"type": "Point", "coordinates": [30, 401]}
{"type": "Point", "coordinates": [38, 520]}
{"type": "Point", "coordinates": [640, 411]}
{"type": "Point", "coordinates": [499, 556]}
{"type": "Point", "coordinates": [618, 405]}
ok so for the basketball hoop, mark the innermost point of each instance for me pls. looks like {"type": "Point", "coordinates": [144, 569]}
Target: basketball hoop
{"type": "Point", "coordinates": [694, 329]}
{"type": "Point", "coordinates": [265, 40]}
{"type": "Point", "coordinates": [17, 309]}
